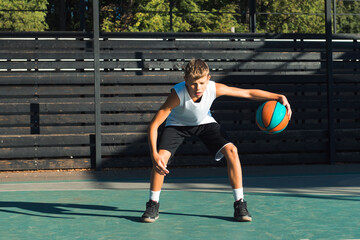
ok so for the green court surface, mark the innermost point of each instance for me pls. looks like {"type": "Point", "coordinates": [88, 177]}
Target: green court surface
{"type": "Point", "coordinates": [287, 205]}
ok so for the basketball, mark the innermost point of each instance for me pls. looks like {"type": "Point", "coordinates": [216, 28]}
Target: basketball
{"type": "Point", "coordinates": [271, 117]}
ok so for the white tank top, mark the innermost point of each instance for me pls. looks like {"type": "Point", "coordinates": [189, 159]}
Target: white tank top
{"type": "Point", "coordinates": [190, 113]}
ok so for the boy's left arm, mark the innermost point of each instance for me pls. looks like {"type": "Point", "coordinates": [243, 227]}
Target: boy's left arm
{"type": "Point", "coordinates": [254, 94]}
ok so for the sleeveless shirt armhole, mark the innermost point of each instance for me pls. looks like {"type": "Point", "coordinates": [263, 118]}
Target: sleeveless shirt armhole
{"type": "Point", "coordinates": [214, 89]}
{"type": "Point", "coordinates": [177, 90]}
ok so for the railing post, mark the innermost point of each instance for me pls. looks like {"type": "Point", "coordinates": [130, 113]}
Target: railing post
{"type": "Point", "coordinates": [330, 82]}
{"type": "Point", "coordinates": [82, 15]}
{"type": "Point", "coordinates": [171, 15]}
{"type": "Point", "coordinates": [252, 11]}
{"type": "Point", "coordinates": [96, 46]}
{"type": "Point", "coordinates": [62, 19]}
{"type": "Point", "coordinates": [334, 13]}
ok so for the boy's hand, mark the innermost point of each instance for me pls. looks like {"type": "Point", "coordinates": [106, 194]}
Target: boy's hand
{"type": "Point", "coordinates": [283, 100]}
{"type": "Point", "coordinates": [160, 164]}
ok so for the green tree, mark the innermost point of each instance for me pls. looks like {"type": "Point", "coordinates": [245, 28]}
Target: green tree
{"type": "Point", "coordinates": [211, 16]}
{"type": "Point", "coordinates": [347, 21]}
{"type": "Point", "coordinates": [274, 16]}
{"type": "Point", "coordinates": [188, 16]}
{"type": "Point", "coordinates": [154, 17]}
{"type": "Point", "coordinates": [20, 15]}
{"type": "Point", "coordinates": [291, 16]}
{"type": "Point", "coordinates": [117, 16]}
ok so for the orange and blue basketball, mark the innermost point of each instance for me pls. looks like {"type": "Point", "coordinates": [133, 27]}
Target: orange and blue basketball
{"type": "Point", "coordinates": [272, 117]}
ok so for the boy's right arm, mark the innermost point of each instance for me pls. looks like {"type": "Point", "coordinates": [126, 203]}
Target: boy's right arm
{"type": "Point", "coordinates": [171, 102]}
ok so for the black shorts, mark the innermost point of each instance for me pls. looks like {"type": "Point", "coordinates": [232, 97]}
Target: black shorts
{"type": "Point", "coordinates": [210, 134]}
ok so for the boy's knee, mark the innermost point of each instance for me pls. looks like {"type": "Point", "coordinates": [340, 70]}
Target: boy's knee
{"type": "Point", "coordinates": [231, 150]}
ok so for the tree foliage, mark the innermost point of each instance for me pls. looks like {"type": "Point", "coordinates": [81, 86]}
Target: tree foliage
{"type": "Point", "coordinates": [187, 16]}
{"type": "Point", "coordinates": [296, 16]}
{"type": "Point", "coordinates": [273, 16]}
{"type": "Point", "coordinates": [20, 15]}
{"type": "Point", "coordinates": [348, 17]}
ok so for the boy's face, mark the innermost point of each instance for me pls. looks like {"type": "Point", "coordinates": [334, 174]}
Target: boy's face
{"type": "Point", "coordinates": [196, 88]}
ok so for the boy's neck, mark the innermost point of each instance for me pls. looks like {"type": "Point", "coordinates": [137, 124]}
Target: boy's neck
{"type": "Point", "coordinates": [197, 100]}
{"type": "Point", "coordinates": [194, 99]}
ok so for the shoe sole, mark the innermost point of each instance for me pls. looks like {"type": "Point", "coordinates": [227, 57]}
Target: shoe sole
{"type": "Point", "coordinates": [244, 219]}
{"type": "Point", "coordinates": [149, 220]}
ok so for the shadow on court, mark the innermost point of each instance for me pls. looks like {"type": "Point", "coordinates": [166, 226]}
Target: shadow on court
{"type": "Point", "coordinates": [308, 196]}
{"type": "Point", "coordinates": [52, 208]}
{"type": "Point", "coordinates": [65, 211]}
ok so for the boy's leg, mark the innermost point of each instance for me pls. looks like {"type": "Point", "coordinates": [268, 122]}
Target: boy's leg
{"type": "Point", "coordinates": [233, 165]}
{"type": "Point", "coordinates": [235, 175]}
{"type": "Point", "coordinates": [170, 140]}
{"type": "Point", "coordinates": [156, 179]}
{"type": "Point", "coordinates": [151, 213]}
{"type": "Point", "coordinates": [218, 145]}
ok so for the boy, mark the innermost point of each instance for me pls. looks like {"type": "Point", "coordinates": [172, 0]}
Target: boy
{"type": "Point", "coordinates": [187, 113]}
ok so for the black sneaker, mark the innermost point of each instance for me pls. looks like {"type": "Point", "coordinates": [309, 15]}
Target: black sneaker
{"type": "Point", "coordinates": [151, 213]}
{"type": "Point", "coordinates": [241, 213]}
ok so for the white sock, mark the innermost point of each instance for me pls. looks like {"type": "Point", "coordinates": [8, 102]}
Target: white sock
{"type": "Point", "coordinates": [155, 195]}
{"type": "Point", "coordinates": [238, 194]}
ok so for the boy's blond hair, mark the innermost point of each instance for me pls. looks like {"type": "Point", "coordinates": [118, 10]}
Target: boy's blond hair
{"type": "Point", "coordinates": [195, 69]}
